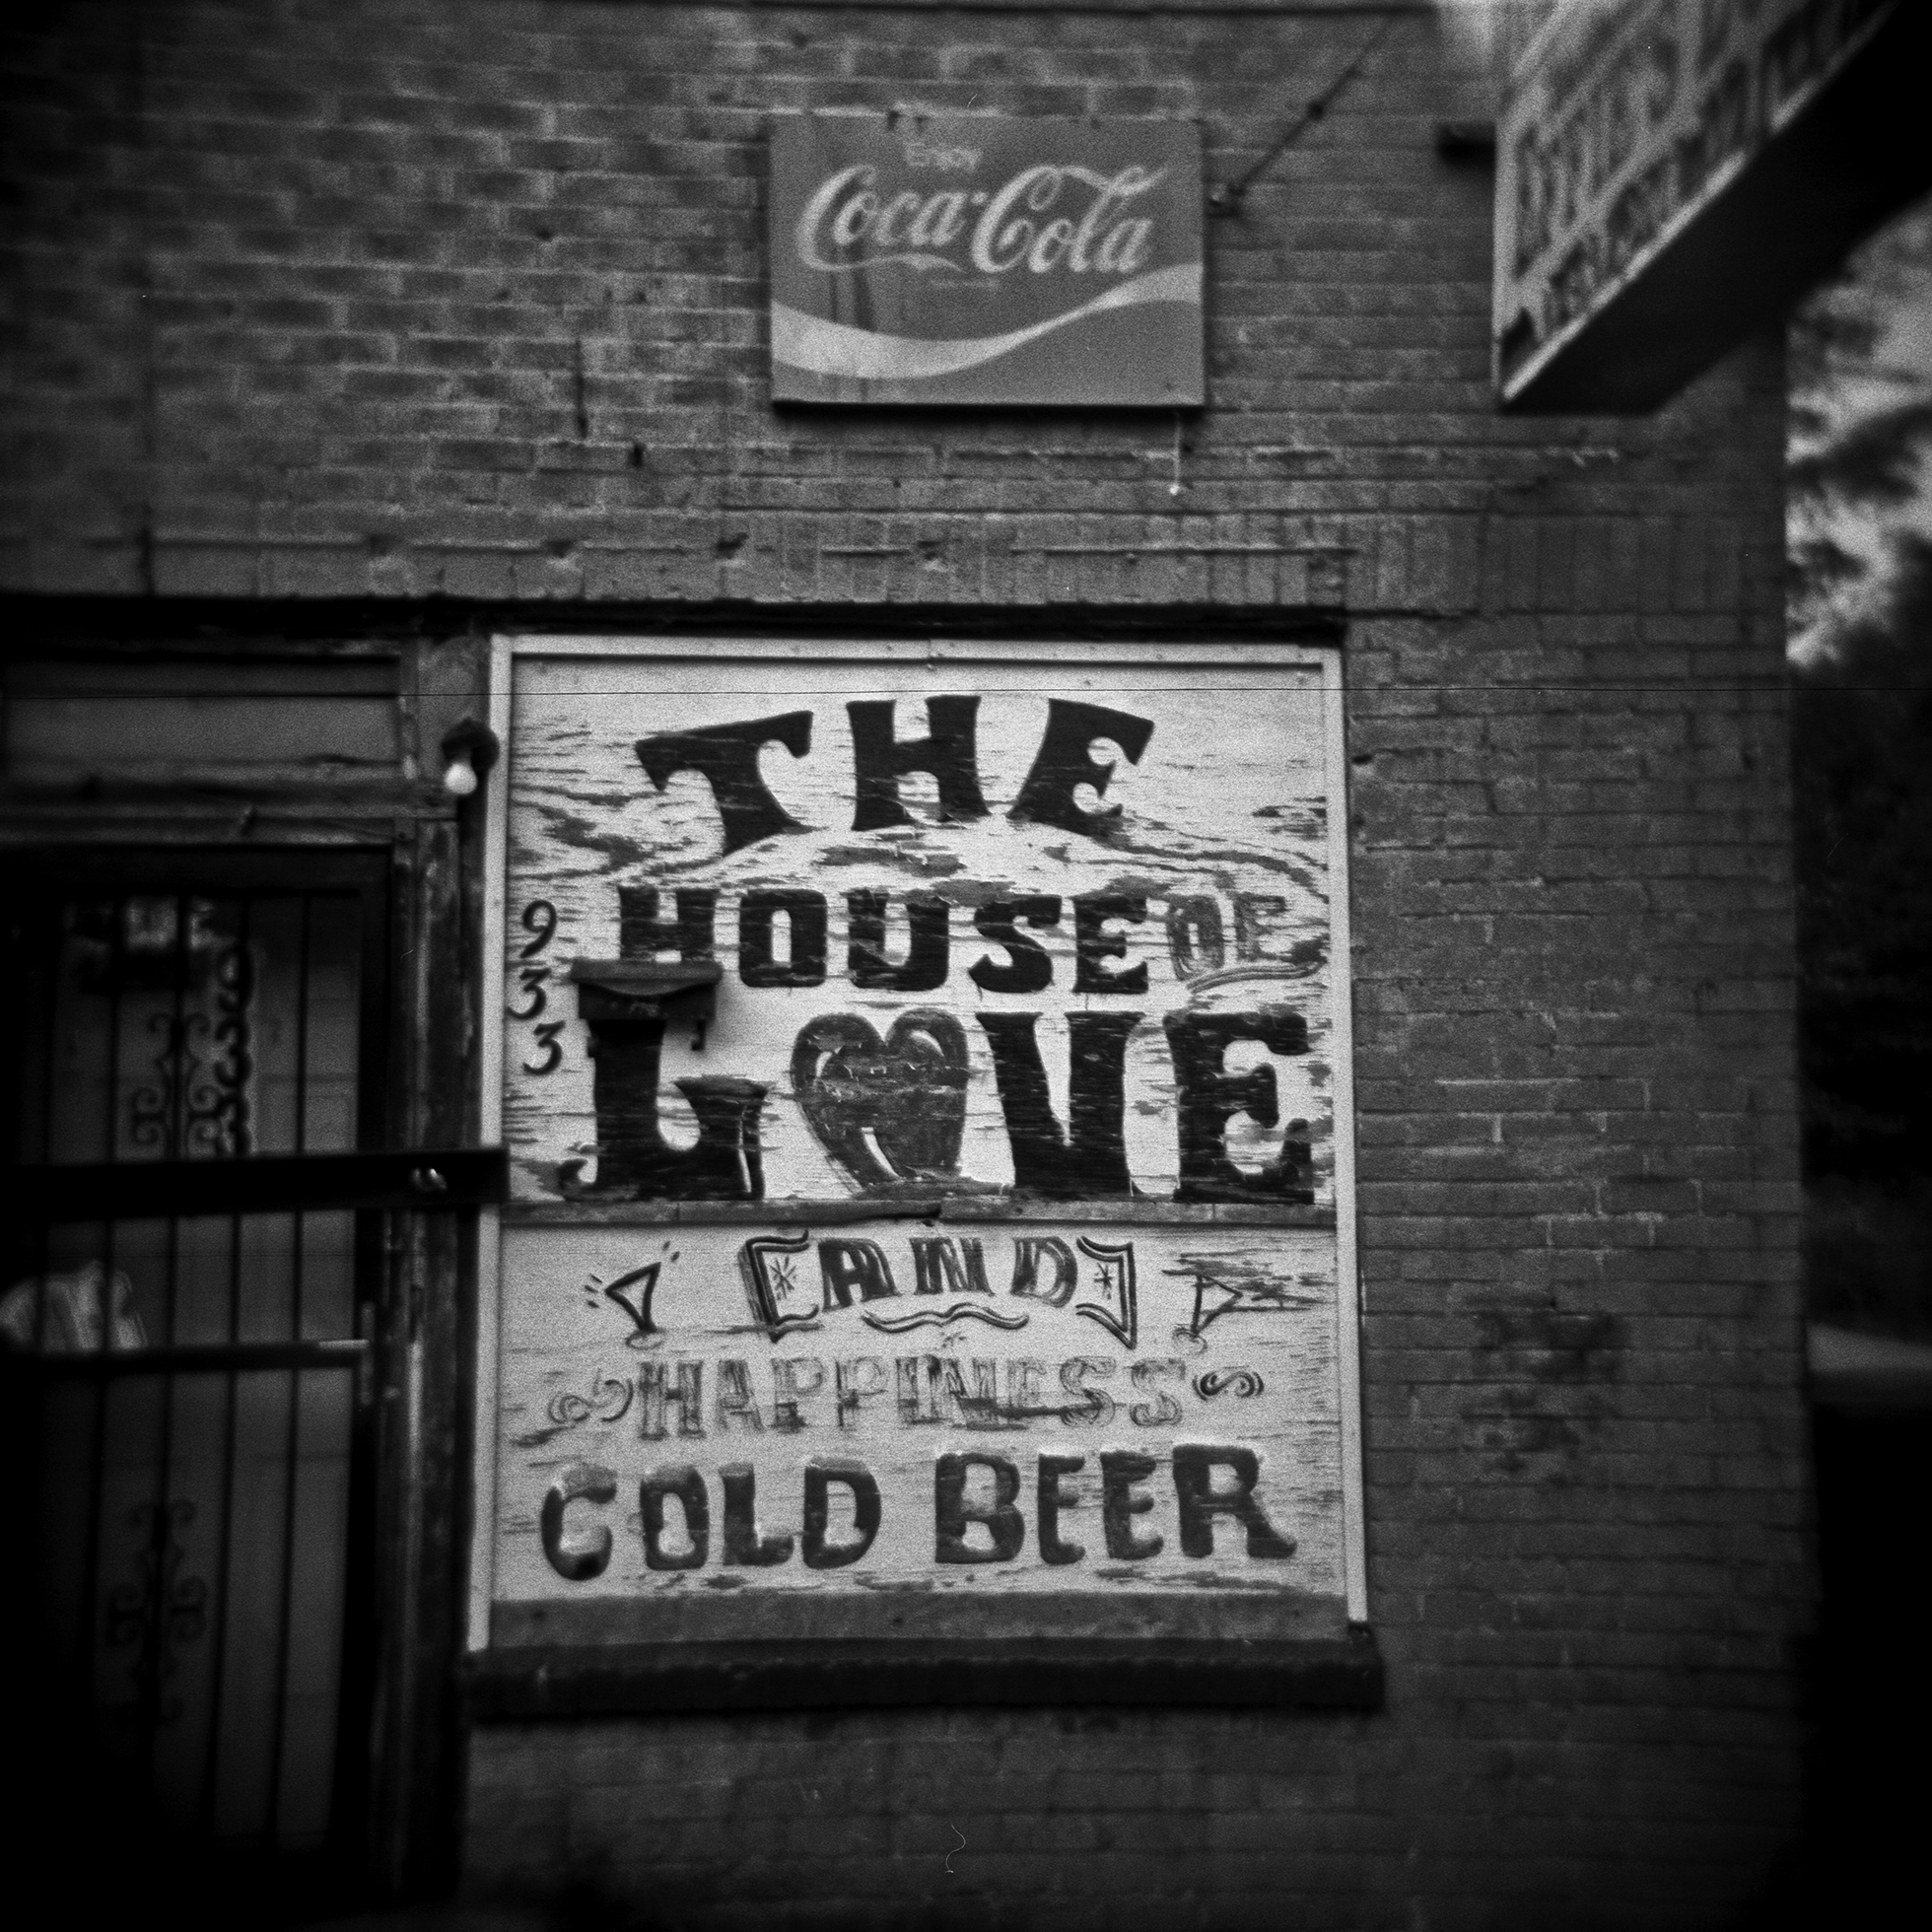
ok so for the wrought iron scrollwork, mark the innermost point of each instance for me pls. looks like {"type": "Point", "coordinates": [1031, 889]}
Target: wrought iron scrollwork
{"type": "Point", "coordinates": [198, 1102]}
{"type": "Point", "coordinates": [158, 1614]}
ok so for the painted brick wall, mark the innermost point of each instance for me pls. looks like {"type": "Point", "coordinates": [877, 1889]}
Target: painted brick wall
{"type": "Point", "coordinates": [463, 301]}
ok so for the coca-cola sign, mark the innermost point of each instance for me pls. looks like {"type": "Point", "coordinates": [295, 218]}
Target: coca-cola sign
{"type": "Point", "coordinates": [979, 259]}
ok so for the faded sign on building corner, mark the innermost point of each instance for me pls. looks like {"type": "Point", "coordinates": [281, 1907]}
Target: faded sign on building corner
{"type": "Point", "coordinates": [986, 259]}
{"type": "Point", "coordinates": [1674, 173]}
{"type": "Point", "coordinates": [926, 1086]}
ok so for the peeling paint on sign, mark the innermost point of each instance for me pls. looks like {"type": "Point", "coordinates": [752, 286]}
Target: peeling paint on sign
{"type": "Point", "coordinates": [919, 1084]}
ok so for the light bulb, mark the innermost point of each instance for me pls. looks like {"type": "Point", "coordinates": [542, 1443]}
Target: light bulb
{"type": "Point", "coordinates": [460, 781]}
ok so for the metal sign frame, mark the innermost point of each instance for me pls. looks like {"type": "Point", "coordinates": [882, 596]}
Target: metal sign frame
{"type": "Point", "coordinates": [986, 259]}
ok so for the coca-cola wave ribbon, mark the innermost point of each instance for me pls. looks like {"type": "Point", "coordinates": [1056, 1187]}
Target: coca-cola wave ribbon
{"type": "Point", "coordinates": [829, 348]}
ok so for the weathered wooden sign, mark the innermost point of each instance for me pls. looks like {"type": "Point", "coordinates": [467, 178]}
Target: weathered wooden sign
{"type": "Point", "coordinates": [925, 1083]}
{"type": "Point", "coordinates": [1674, 173]}
{"type": "Point", "coordinates": [984, 259]}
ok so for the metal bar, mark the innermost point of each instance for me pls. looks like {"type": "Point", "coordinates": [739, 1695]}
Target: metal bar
{"type": "Point", "coordinates": [157, 1633]}
{"type": "Point", "coordinates": [279, 1694]}
{"type": "Point", "coordinates": [349, 1821]}
{"type": "Point", "coordinates": [218, 1662]}
{"type": "Point", "coordinates": [304, 945]}
{"type": "Point", "coordinates": [154, 1638]}
{"type": "Point", "coordinates": [63, 872]}
{"type": "Point", "coordinates": [92, 1628]}
{"type": "Point", "coordinates": [50, 988]}
{"type": "Point", "coordinates": [88, 1626]}
{"type": "Point", "coordinates": [191, 1359]}
{"type": "Point", "coordinates": [290, 1440]}
{"type": "Point", "coordinates": [423, 1180]}
{"type": "Point", "coordinates": [179, 1059]}
{"type": "Point", "coordinates": [231, 1402]}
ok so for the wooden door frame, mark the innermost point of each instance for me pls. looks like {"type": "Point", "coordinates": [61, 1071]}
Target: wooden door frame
{"type": "Point", "coordinates": [423, 1359]}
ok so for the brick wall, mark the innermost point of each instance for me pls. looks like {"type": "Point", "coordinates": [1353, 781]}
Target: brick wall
{"type": "Point", "coordinates": [437, 301]}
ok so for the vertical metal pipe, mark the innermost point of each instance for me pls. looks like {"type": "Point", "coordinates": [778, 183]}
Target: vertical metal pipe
{"type": "Point", "coordinates": [292, 1442]}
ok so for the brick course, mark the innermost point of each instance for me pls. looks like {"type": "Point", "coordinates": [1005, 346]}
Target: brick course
{"type": "Point", "coordinates": [430, 301]}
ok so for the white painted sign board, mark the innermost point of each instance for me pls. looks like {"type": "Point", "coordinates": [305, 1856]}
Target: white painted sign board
{"type": "Point", "coordinates": [926, 1077]}
{"type": "Point", "coordinates": [1674, 173]}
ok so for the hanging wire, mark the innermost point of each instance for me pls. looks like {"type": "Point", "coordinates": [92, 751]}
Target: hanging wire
{"type": "Point", "coordinates": [1227, 199]}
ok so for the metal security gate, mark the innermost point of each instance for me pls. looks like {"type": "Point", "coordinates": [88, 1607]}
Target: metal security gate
{"type": "Point", "coordinates": [191, 1282]}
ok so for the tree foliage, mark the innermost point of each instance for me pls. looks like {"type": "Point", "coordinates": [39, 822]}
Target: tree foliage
{"type": "Point", "coordinates": [1859, 553]}
{"type": "Point", "coordinates": [1860, 431]}
{"type": "Point", "coordinates": [1862, 726]}
{"type": "Point", "coordinates": [1863, 761]}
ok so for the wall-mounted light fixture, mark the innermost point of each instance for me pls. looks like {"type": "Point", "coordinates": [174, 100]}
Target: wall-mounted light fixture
{"type": "Point", "coordinates": [469, 748]}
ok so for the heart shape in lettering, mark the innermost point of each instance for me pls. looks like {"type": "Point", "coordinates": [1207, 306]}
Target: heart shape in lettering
{"type": "Point", "coordinates": [890, 1112]}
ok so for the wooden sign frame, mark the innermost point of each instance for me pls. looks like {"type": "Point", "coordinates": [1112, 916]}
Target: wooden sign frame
{"type": "Point", "coordinates": [966, 1257]}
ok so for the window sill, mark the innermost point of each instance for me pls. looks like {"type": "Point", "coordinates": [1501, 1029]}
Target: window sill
{"type": "Point", "coordinates": [547, 1664]}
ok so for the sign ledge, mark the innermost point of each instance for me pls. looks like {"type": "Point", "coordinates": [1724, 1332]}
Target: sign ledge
{"type": "Point", "coordinates": [571, 1681]}
{"type": "Point", "coordinates": [806, 1212]}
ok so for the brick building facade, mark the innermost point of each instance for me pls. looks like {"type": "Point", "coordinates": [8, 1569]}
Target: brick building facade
{"type": "Point", "coordinates": [348, 338]}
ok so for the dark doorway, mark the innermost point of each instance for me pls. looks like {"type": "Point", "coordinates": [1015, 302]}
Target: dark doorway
{"type": "Point", "coordinates": [188, 1393]}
